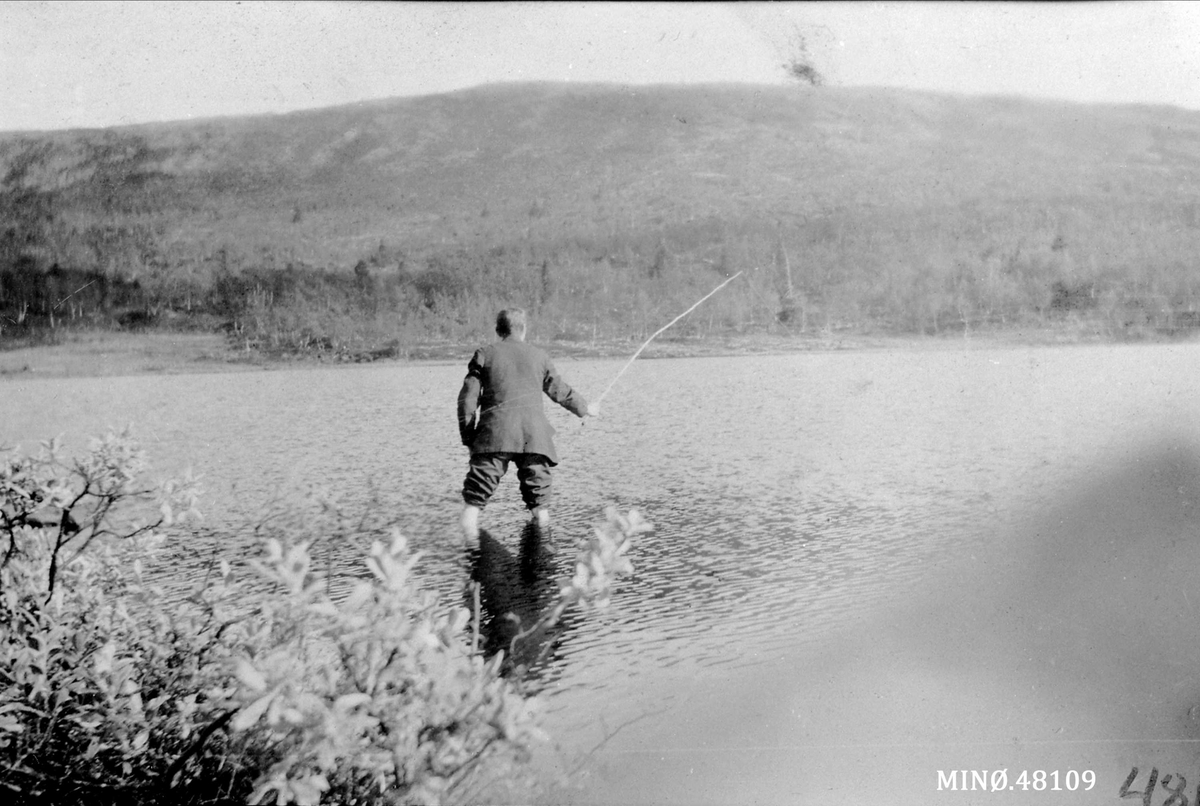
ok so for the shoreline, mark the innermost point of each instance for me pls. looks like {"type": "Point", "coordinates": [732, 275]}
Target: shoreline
{"type": "Point", "coordinates": [92, 354]}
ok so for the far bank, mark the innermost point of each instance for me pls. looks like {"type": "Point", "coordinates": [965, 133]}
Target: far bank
{"type": "Point", "coordinates": [102, 353]}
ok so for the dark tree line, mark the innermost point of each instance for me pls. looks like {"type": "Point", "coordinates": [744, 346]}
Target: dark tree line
{"type": "Point", "coordinates": [31, 297]}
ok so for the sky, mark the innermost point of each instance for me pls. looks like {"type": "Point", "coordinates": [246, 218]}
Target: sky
{"type": "Point", "coordinates": [97, 64]}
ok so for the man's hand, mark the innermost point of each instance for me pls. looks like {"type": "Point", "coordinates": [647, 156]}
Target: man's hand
{"type": "Point", "coordinates": [593, 410]}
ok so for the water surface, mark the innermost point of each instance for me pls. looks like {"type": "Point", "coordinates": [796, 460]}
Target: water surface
{"type": "Point", "coordinates": [866, 566]}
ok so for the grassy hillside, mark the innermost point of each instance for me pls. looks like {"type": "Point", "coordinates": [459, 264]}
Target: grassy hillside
{"type": "Point", "coordinates": [605, 210]}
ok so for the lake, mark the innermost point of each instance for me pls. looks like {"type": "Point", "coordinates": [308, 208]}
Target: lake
{"type": "Point", "coordinates": [869, 569]}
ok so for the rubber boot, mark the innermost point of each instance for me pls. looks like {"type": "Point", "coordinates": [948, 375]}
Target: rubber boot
{"type": "Point", "coordinates": [470, 524]}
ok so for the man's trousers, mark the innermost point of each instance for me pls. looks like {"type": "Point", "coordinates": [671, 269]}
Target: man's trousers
{"type": "Point", "coordinates": [486, 470]}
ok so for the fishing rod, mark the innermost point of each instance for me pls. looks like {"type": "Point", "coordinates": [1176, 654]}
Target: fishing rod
{"type": "Point", "coordinates": [659, 331]}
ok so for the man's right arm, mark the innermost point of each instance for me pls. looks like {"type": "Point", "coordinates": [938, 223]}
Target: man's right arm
{"type": "Point", "coordinates": [468, 399]}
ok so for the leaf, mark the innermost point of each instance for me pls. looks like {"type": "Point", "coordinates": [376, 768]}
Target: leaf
{"type": "Point", "coordinates": [104, 658]}
{"type": "Point", "coordinates": [16, 706]}
{"type": "Point", "coordinates": [399, 543]}
{"type": "Point", "coordinates": [252, 678]}
{"type": "Point", "coordinates": [274, 711]}
{"type": "Point", "coordinates": [459, 619]}
{"type": "Point", "coordinates": [348, 701]}
{"type": "Point", "coordinates": [266, 788]}
{"type": "Point", "coordinates": [252, 712]}
{"type": "Point", "coordinates": [307, 791]}
{"type": "Point", "coordinates": [323, 608]}
{"type": "Point", "coordinates": [360, 594]}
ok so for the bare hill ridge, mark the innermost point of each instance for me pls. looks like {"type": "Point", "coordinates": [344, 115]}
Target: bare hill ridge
{"type": "Point", "coordinates": [834, 187]}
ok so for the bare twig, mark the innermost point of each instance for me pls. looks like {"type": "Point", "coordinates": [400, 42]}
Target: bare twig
{"type": "Point", "coordinates": [475, 620]}
{"type": "Point", "coordinates": [177, 765]}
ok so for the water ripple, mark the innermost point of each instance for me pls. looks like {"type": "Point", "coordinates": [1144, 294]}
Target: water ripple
{"type": "Point", "coordinates": [793, 496]}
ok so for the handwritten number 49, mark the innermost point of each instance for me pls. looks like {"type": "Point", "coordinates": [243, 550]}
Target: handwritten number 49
{"type": "Point", "coordinates": [1173, 784]}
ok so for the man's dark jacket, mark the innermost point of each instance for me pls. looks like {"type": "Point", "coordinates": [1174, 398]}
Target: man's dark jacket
{"type": "Point", "coordinates": [505, 382]}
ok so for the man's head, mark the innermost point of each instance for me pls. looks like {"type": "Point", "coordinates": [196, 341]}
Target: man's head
{"type": "Point", "coordinates": [510, 324]}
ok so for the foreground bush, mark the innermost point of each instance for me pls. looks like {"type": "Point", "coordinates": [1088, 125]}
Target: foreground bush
{"type": "Point", "coordinates": [262, 690]}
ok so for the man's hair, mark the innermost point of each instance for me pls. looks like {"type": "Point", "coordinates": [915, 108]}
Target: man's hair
{"type": "Point", "coordinates": [510, 321]}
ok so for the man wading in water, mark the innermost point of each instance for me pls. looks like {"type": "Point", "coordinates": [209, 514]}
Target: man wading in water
{"type": "Point", "coordinates": [504, 385]}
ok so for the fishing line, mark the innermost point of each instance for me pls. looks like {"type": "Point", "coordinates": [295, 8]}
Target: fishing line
{"type": "Point", "coordinates": [660, 330]}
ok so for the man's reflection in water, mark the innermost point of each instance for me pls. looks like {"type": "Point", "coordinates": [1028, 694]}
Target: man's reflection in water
{"type": "Point", "coordinates": [515, 593]}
